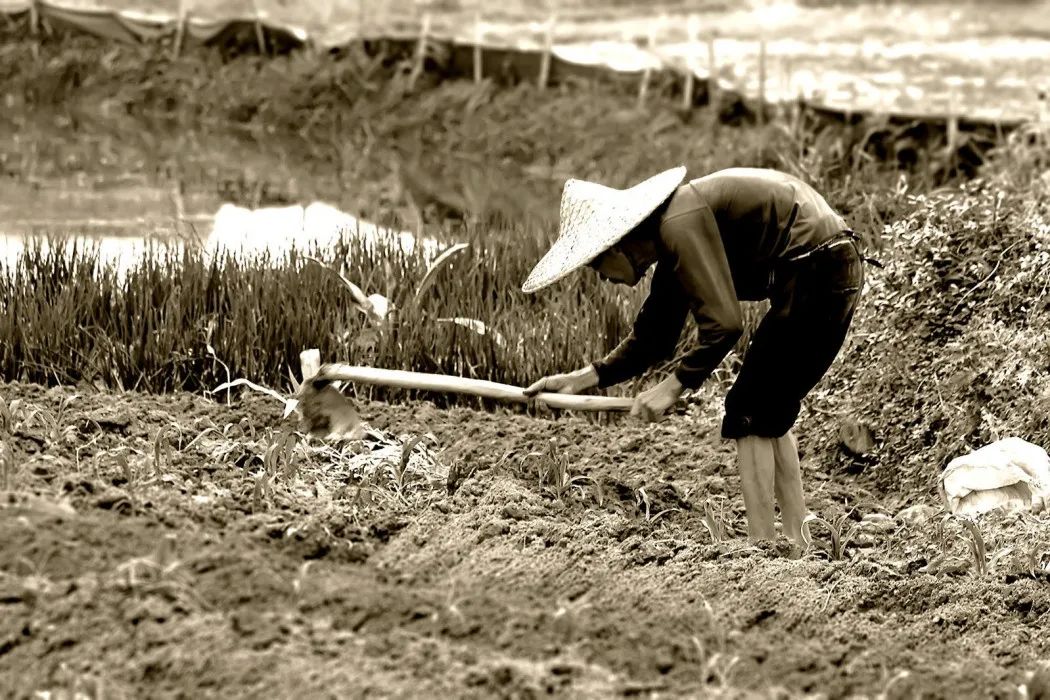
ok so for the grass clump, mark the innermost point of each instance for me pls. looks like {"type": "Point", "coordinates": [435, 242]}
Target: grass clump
{"type": "Point", "coordinates": [184, 321]}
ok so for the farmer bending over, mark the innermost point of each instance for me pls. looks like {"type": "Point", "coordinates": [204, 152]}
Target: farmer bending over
{"type": "Point", "coordinates": [738, 234]}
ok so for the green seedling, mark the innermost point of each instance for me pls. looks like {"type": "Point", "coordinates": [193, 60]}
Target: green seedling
{"type": "Point", "coordinates": [281, 453]}
{"type": "Point", "coordinates": [209, 331]}
{"type": "Point", "coordinates": [716, 662]}
{"type": "Point", "coordinates": [557, 474]}
{"type": "Point", "coordinates": [290, 455]}
{"type": "Point", "coordinates": [57, 428]}
{"type": "Point", "coordinates": [641, 499]}
{"type": "Point", "coordinates": [401, 473]}
{"type": "Point", "coordinates": [597, 490]}
{"type": "Point", "coordinates": [553, 472]}
{"type": "Point", "coordinates": [160, 452]}
{"type": "Point", "coordinates": [260, 491]}
{"type": "Point", "coordinates": [61, 430]}
{"type": "Point", "coordinates": [715, 522]}
{"type": "Point", "coordinates": [840, 536]}
{"type": "Point", "coordinates": [247, 428]}
{"type": "Point", "coordinates": [977, 546]}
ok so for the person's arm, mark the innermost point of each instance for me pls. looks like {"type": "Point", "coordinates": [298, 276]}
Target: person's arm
{"type": "Point", "coordinates": [702, 271]}
{"type": "Point", "coordinates": [654, 335]}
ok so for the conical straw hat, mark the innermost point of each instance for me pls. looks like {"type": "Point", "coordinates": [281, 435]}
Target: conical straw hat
{"type": "Point", "coordinates": [594, 218]}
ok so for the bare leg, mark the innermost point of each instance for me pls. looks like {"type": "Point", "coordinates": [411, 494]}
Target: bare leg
{"type": "Point", "coordinates": [788, 485]}
{"type": "Point", "coordinates": [756, 464]}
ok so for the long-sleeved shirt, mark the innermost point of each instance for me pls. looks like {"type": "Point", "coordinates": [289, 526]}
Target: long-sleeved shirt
{"type": "Point", "coordinates": [719, 240]}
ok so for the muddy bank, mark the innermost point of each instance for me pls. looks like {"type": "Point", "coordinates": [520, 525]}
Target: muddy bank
{"type": "Point", "coordinates": [169, 567]}
{"type": "Point", "coordinates": [352, 128]}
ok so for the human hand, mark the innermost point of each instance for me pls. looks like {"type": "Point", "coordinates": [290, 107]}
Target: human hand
{"type": "Point", "coordinates": [651, 404]}
{"type": "Point", "coordinates": [569, 383]}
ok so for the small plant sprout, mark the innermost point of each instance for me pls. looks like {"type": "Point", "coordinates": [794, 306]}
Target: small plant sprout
{"type": "Point", "coordinates": [401, 473]}
{"type": "Point", "coordinates": [977, 546]}
{"type": "Point", "coordinates": [58, 429]}
{"type": "Point", "coordinates": [280, 455]}
{"type": "Point", "coordinates": [597, 490]}
{"type": "Point", "coordinates": [12, 416]}
{"type": "Point", "coordinates": [557, 474]}
{"type": "Point", "coordinates": [160, 452]}
{"type": "Point", "coordinates": [840, 537]}
{"type": "Point", "coordinates": [715, 521]}
{"type": "Point", "coordinates": [642, 501]}
{"type": "Point", "coordinates": [290, 454]}
{"type": "Point", "coordinates": [716, 662]}
{"type": "Point", "coordinates": [209, 331]}
{"type": "Point", "coordinates": [260, 491]}
{"type": "Point", "coordinates": [553, 472]}
{"type": "Point", "coordinates": [982, 562]}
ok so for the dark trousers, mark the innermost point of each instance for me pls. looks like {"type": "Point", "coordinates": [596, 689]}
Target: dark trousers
{"type": "Point", "coordinates": [812, 303]}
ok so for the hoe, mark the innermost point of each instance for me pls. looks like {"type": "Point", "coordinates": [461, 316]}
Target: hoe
{"type": "Point", "coordinates": [327, 412]}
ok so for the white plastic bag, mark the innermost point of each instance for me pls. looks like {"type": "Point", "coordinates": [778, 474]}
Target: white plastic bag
{"type": "Point", "coordinates": [1009, 473]}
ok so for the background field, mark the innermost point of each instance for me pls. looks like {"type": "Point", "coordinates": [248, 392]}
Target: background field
{"type": "Point", "coordinates": [937, 60]}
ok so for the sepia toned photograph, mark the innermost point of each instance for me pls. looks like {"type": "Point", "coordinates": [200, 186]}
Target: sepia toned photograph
{"type": "Point", "coordinates": [576, 349]}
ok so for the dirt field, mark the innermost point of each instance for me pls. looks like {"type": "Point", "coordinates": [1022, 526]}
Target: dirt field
{"type": "Point", "coordinates": [134, 566]}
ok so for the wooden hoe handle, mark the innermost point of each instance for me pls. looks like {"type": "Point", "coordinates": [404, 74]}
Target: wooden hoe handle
{"type": "Point", "coordinates": [461, 385]}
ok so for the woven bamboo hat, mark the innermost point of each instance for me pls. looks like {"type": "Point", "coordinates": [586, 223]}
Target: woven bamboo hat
{"type": "Point", "coordinates": [593, 218]}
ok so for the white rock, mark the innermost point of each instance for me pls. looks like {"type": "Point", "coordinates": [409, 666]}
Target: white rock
{"type": "Point", "coordinates": [1011, 473]}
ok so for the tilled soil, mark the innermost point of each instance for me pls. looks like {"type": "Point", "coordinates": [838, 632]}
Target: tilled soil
{"type": "Point", "coordinates": [160, 546]}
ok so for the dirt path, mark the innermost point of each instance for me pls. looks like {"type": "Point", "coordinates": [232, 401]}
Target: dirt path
{"type": "Point", "coordinates": [133, 567]}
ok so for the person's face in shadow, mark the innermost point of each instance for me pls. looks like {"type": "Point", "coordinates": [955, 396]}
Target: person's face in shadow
{"type": "Point", "coordinates": [614, 265]}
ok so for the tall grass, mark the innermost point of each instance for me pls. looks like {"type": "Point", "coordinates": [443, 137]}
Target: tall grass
{"type": "Point", "coordinates": [66, 318]}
